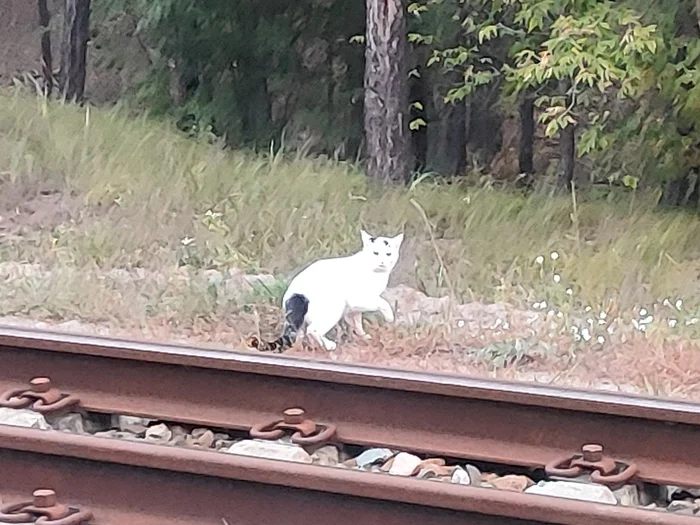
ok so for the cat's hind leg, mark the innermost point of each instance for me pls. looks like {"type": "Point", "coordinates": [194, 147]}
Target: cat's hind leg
{"type": "Point", "coordinates": [354, 320]}
{"type": "Point", "coordinates": [320, 319]}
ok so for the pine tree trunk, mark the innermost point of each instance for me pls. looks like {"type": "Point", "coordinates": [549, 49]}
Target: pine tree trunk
{"type": "Point", "coordinates": [76, 33]}
{"type": "Point", "coordinates": [387, 139]}
{"type": "Point", "coordinates": [46, 58]}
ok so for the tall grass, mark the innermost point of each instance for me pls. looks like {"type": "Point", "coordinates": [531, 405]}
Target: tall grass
{"type": "Point", "coordinates": [149, 197]}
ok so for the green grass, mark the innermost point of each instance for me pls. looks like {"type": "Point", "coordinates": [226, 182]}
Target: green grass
{"type": "Point", "coordinates": [148, 197]}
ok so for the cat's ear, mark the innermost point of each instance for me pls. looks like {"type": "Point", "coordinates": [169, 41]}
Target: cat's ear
{"type": "Point", "coordinates": [366, 238]}
{"type": "Point", "coordinates": [397, 240]}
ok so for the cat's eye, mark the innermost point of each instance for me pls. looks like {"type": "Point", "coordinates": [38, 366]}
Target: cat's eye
{"type": "Point", "coordinates": [376, 253]}
{"type": "Point", "coordinates": [388, 255]}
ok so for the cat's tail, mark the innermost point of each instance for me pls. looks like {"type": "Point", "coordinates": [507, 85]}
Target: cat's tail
{"type": "Point", "coordinates": [295, 309]}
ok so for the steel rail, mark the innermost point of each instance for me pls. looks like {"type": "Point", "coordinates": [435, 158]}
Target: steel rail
{"type": "Point", "coordinates": [145, 484]}
{"type": "Point", "coordinates": [495, 421]}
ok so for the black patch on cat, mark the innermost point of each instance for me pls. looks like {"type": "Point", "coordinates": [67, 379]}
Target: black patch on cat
{"type": "Point", "coordinates": [386, 243]}
{"type": "Point", "coordinates": [296, 308]}
{"type": "Point", "coordinates": [372, 239]}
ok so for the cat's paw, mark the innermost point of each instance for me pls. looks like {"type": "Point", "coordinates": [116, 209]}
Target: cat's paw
{"type": "Point", "coordinates": [366, 337]}
{"type": "Point", "coordinates": [330, 345]}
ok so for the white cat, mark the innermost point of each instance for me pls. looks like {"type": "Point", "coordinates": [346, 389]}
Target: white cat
{"type": "Point", "coordinates": [329, 290]}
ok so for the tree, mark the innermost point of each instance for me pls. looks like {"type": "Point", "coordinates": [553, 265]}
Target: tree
{"type": "Point", "coordinates": [46, 58]}
{"type": "Point", "coordinates": [76, 33]}
{"type": "Point", "coordinates": [387, 139]}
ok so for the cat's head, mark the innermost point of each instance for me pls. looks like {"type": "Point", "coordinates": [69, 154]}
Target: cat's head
{"type": "Point", "coordinates": [382, 253]}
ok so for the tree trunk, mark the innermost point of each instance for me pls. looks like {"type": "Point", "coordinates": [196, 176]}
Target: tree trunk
{"type": "Point", "coordinates": [76, 33]}
{"type": "Point", "coordinates": [567, 146]}
{"type": "Point", "coordinates": [387, 140]}
{"type": "Point", "coordinates": [527, 136]}
{"type": "Point", "coordinates": [46, 58]}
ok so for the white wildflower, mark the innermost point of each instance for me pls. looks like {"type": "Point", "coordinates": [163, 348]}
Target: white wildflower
{"type": "Point", "coordinates": [543, 305]}
{"type": "Point", "coordinates": [635, 324]}
{"type": "Point", "coordinates": [603, 315]}
{"type": "Point", "coordinates": [588, 308]}
{"type": "Point", "coordinates": [569, 291]}
{"type": "Point", "coordinates": [672, 323]}
{"type": "Point", "coordinates": [550, 313]}
{"type": "Point", "coordinates": [586, 335]}
{"type": "Point", "coordinates": [460, 323]}
{"type": "Point", "coordinates": [506, 326]}
{"type": "Point", "coordinates": [590, 321]}
{"type": "Point", "coordinates": [560, 315]}
{"type": "Point", "coordinates": [601, 339]}
{"type": "Point", "coordinates": [577, 337]}
{"type": "Point", "coordinates": [694, 320]}
{"type": "Point", "coordinates": [574, 329]}
{"type": "Point", "coordinates": [554, 256]}
{"type": "Point", "coordinates": [666, 302]}
{"type": "Point", "coordinates": [539, 259]}
{"type": "Point", "coordinates": [557, 278]}
{"type": "Point", "coordinates": [643, 312]}
{"type": "Point", "coordinates": [187, 241]}
{"type": "Point", "coordinates": [601, 321]}
{"type": "Point", "coordinates": [647, 320]}
{"type": "Point", "coordinates": [610, 329]}
{"type": "Point", "coordinates": [536, 306]}
{"type": "Point", "coordinates": [679, 303]}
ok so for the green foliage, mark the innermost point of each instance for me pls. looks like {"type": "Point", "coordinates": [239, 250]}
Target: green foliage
{"type": "Point", "coordinates": [235, 69]}
{"type": "Point", "coordinates": [625, 74]}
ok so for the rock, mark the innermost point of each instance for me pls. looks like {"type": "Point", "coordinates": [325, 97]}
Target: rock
{"type": "Point", "coordinates": [133, 424]}
{"type": "Point", "coordinates": [433, 468]}
{"type": "Point", "coordinates": [372, 457]}
{"type": "Point", "coordinates": [512, 483]}
{"type": "Point", "coordinates": [461, 477]}
{"type": "Point", "coordinates": [221, 444]}
{"type": "Point", "coordinates": [180, 441]}
{"type": "Point", "coordinates": [21, 417]}
{"type": "Point", "coordinates": [674, 492]}
{"type": "Point", "coordinates": [179, 431]}
{"type": "Point", "coordinates": [117, 434]}
{"type": "Point", "coordinates": [327, 456]}
{"type": "Point", "coordinates": [201, 437]}
{"type": "Point", "coordinates": [628, 496]}
{"type": "Point", "coordinates": [572, 490]}
{"type": "Point", "coordinates": [264, 279]}
{"type": "Point", "coordinates": [159, 433]}
{"type": "Point", "coordinates": [270, 450]}
{"type": "Point", "coordinates": [213, 277]}
{"type": "Point", "coordinates": [404, 464]}
{"type": "Point", "coordinates": [72, 422]}
{"type": "Point", "coordinates": [680, 506]}
{"type": "Point", "coordinates": [474, 474]}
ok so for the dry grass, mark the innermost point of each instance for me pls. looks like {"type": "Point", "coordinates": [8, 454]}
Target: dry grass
{"type": "Point", "coordinates": [87, 191]}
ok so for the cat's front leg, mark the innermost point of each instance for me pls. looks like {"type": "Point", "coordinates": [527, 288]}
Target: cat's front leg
{"type": "Point", "coordinates": [384, 308]}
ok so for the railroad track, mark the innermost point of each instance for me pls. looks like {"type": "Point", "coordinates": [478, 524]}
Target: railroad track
{"type": "Point", "coordinates": [502, 427]}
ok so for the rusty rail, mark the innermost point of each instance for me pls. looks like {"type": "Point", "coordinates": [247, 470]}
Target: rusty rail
{"type": "Point", "coordinates": [502, 422]}
{"type": "Point", "coordinates": [126, 482]}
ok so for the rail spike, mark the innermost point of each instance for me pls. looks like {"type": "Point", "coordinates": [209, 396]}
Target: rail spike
{"type": "Point", "coordinates": [603, 470]}
{"type": "Point", "coordinates": [41, 397]}
{"type": "Point", "coordinates": [306, 431]}
{"type": "Point", "coordinates": [44, 509]}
